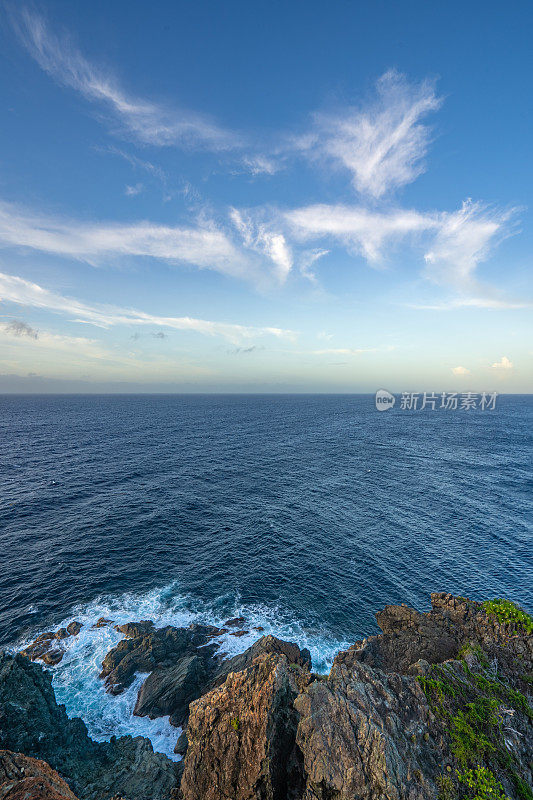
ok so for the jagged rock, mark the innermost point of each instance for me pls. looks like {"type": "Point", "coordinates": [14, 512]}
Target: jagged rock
{"type": "Point", "coordinates": [266, 644]}
{"type": "Point", "coordinates": [53, 656]}
{"type": "Point", "coordinates": [241, 735]}
{"type": "Point", "coordinates": [436, 636]}
{"type": "Point", "coordinates": [168, 692]}
{"type": "Point", "coordinates": [238, 634]}
{"type": "Point", "coordinates": [44, 648]}
{"type": "Point", "coordinates": [236, 622]}
{"type": "Point", "coordinates": [149, 648]}
{"type": "Point", "coordinates": [102, 622]}
{"type": "Point", "coordinates": [181, 744]}
{"type": "Point", "coordinates": [369, 731]}
{"type": "Point", "coordinates": [62, 633]}
{"type": "Point", "coordinates": [361, 735]}
{"type": "Point", "coordinates": [24, 778]}
{"type": "Point", "coordinates": [132, 630]}
{"type": "Point", "coordinates": [31, 722]}
{"type": "Point", "coordinates": [74, 627]}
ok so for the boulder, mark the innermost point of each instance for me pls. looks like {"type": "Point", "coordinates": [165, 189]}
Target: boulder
{"type": "Point", "coordinates": [102, 622]}
{"type": "Point", "coordinates": [45, 648]}
{"type": "Point", "coordinates": [181, 744]}
{"type": "Point", "coordinates": [74, 627]}
{"type": "Point", "coordinates": [236, 622]}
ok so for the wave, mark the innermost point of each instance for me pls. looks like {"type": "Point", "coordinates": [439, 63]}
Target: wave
{"type": "Point", "coordinates": [75, 678]}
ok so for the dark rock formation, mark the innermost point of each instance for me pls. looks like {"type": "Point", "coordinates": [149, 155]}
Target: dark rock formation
{"type": "Point", "coordinates": [74, 627]}
{"type": "Point", "coordinates": [45, 648]}
{"type": "Point", "coordinates": [236, 622]}
{"type": "Point", "coordinates": [168, 692]}
{"type": "Point", "coordinates": [24, 778]}
{"type": "Point", "coordinates": [181, 663]}
{"type": "Point", "coordinates": [31, 722]}
{"type": "Point", "coordinates": [147, 648]}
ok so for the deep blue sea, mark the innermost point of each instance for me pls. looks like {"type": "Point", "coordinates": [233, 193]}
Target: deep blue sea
{"type": "Point", "coordinates": [306, 514]}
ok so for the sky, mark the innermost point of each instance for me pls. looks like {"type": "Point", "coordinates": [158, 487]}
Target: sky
{"type": "Point", "coordinates": [266, 197]}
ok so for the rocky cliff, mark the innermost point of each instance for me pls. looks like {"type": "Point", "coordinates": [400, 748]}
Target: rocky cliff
{"type": "Point", "coordinates": [436, 706]}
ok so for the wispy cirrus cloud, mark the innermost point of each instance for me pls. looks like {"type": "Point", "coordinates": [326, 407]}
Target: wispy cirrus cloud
{"type": "Point", "coordinates": [204, 246]}
{"type": "Point", "coordinates": [464, 239]}
{"type": "Point", "coordinates": [383, 143]}
{"type": "Point", "coordinates": [454, 243]}
{"type": "Point", "coordinates": [146, 121]}
{"type": "Point", "coordinates": [360, 229]}
{"type": "Point", "coordinates": [261, 238]}
{"type": "Point", "coordinates": [25, 293]}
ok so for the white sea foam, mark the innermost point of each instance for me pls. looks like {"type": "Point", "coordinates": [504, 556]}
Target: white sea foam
{"type": "Point", "coordinates": [76, 681]}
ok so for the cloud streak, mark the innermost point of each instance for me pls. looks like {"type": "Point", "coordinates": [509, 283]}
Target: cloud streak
{"type": "Point", "coordinates": [144, 120]}
{"type": "Point", "coordinates": [203, 246]}
{"type": "Point", "coordinates": [363, 231]}
{"type": "Point", "coordinates": [22, 292]}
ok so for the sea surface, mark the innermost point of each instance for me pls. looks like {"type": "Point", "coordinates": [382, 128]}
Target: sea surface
{"type": "Point", "coordinates": [304, 513]}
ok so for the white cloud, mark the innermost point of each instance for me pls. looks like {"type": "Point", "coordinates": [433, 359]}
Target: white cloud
{"type": "Point", "coordinates": [504, 363]}
{"type": "Point", "coordinates": [352, 351]}
{"type": "Point", "coordinates": [258, 237]}
{"type": "Point", "coordinates": [144, 120]}
{"type": "Point", "coordinates": [306, 261]}
{"type": "Point", "coordinates": [262, 165]}
{"type": "Point", "coordinates": [382, 144]}
{"type": "Point", "coordinates": [204, 246]}
{"type": "Point", "coordinates": [472, 302]}
{"type": "Point", "coordinates": [133, 191]}
{"type": "Point", "coordinates": [361, 230]}
{"type": "Point", "coordinates": [17, 290]}
{"type": "Point", "coordinates": [464, 239]}
{"type": "Point", "coordinates": [460, 371]}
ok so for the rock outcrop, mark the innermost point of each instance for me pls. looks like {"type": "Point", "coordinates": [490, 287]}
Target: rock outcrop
{"type": "Point", "coordinates": [432, 707]}
{"type": "Point", "coordinates": [48, 648]}
{"type": "Point", "coordinates": [436, 706]}
{"type": "Point", "coordinates": [24, 778]}
{"type": "Point", "coordinates": [241, 734]}
{"type": "Point", "coordinates": [31, 722]}
{"type": "Point", "coordinates": [146, 648]}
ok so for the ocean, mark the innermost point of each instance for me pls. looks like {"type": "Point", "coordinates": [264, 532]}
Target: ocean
{"type": "Point", "coordinates": [306, 514]}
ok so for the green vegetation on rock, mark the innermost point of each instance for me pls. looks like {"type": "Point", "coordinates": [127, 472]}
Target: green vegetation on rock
{"type": "Point", "coordinates": [471, 703]}
{"type": "Point", "coordinates": [481, 784]}
{"type": "Point", "coordinates": [509, 613]}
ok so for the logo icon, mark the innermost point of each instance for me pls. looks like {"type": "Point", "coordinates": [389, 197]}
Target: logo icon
{"type": "Point", "coordinates": [384, 400]}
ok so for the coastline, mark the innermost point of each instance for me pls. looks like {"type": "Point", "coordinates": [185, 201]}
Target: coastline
{"type": "Point", "coordinates": [377, 724]}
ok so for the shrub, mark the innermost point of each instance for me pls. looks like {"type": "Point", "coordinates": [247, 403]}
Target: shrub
{"type": "Point", "coordinates": [509, 613]}
{"type": "Point", "coordinates": [481, 784]}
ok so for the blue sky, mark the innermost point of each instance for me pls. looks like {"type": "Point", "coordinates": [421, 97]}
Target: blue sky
{"type": "Point", "coordinates": [266, 197]}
